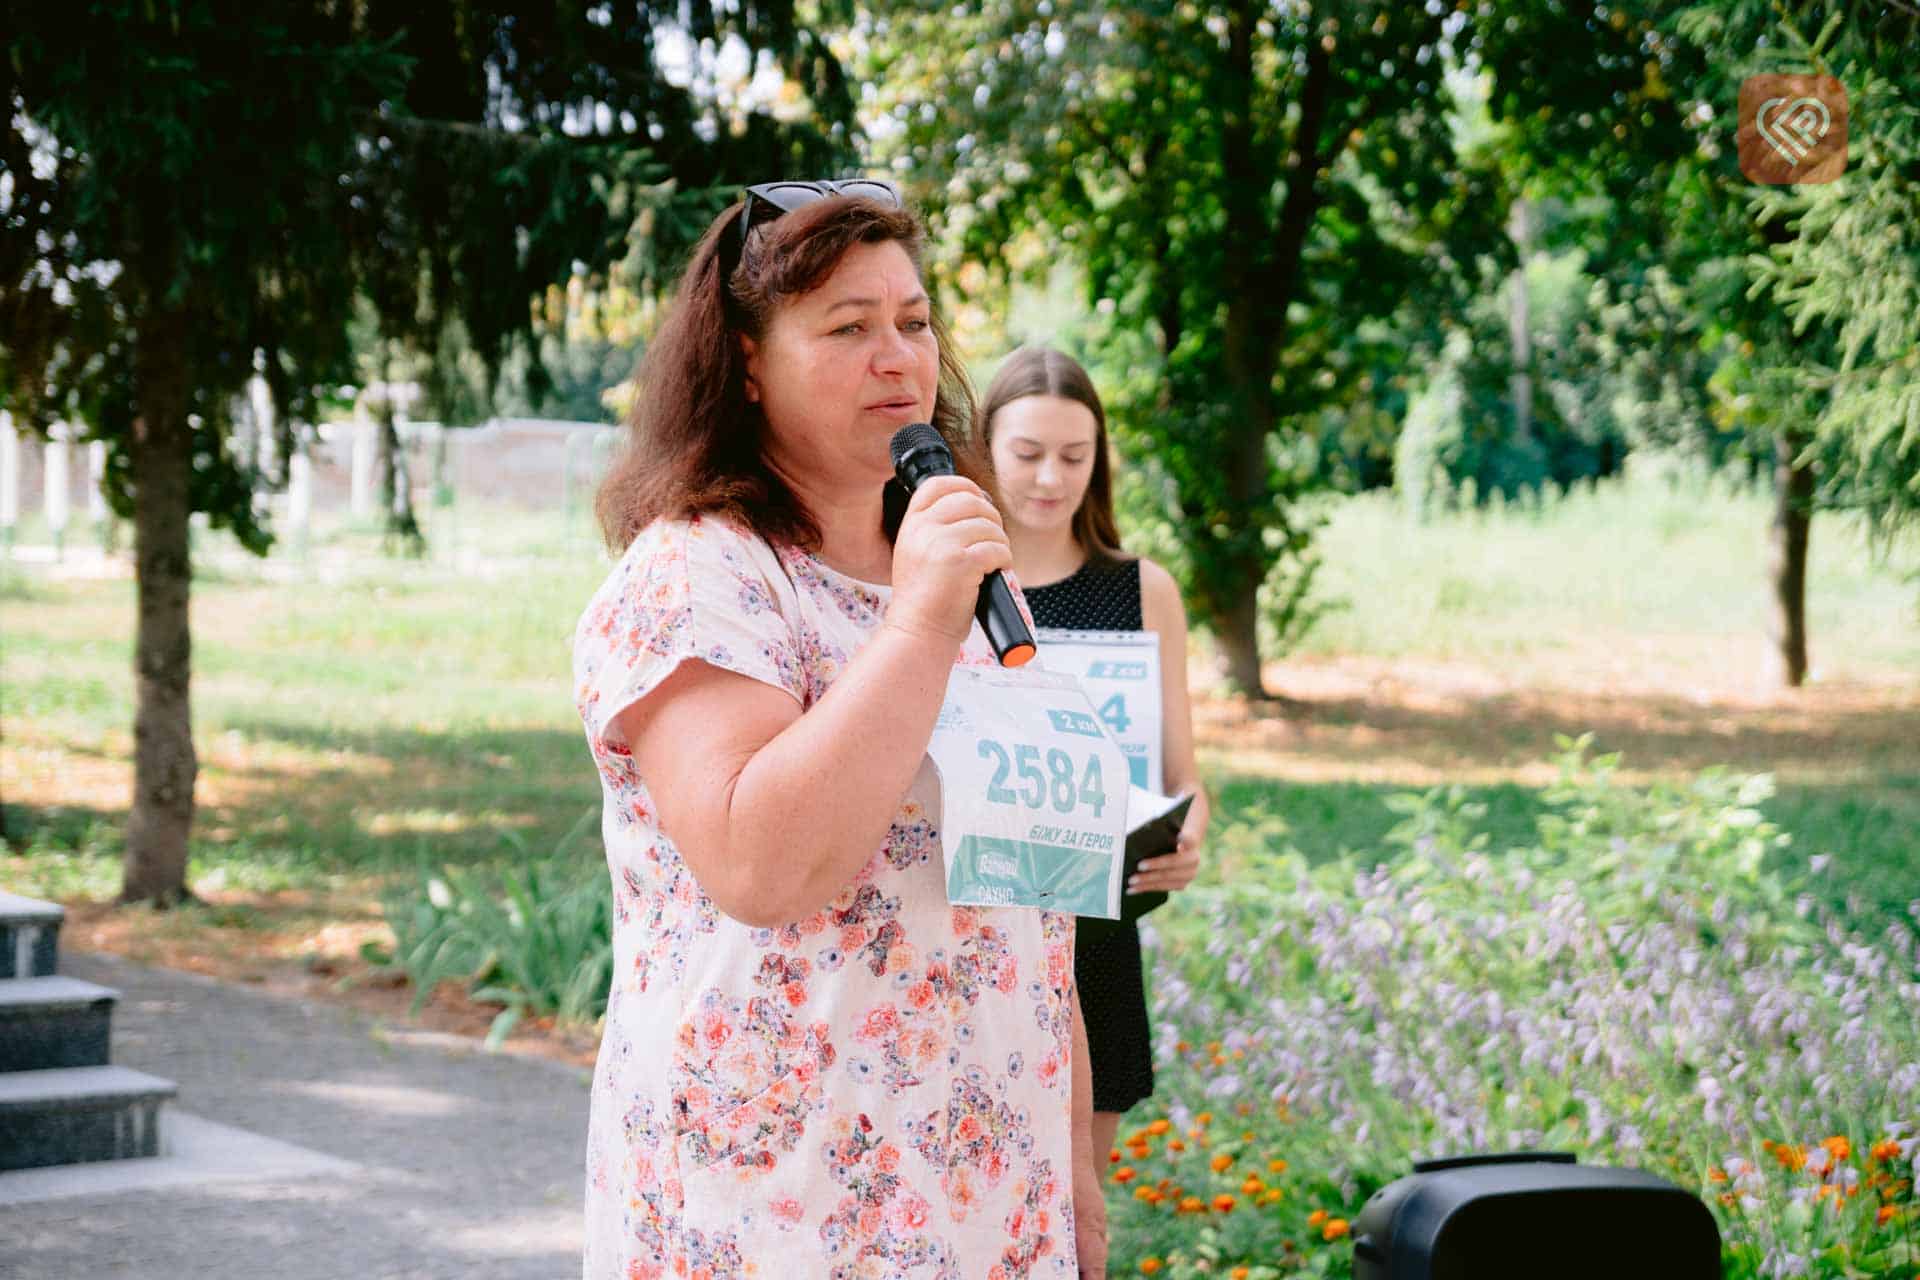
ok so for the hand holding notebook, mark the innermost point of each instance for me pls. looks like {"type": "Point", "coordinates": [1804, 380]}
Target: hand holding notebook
{"type": "Point", "coordinates": [1153, 828]}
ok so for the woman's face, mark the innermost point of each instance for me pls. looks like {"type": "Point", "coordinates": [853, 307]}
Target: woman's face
{"type": "Point", "coordinates": [1043, 458]}
{"type": "Point", "coordinates": [842, 368]}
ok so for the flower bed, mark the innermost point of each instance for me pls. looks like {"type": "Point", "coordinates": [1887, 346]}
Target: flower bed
{"type": "Point", "coordinates": [1635, 988]}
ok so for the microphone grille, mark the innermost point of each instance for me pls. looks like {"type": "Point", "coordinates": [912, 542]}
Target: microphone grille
{"type": "Point", "coordinates": [916, 436]}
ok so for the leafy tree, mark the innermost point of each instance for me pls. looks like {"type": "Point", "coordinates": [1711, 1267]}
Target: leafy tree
{"type": "Point", "coordinates": [1262, 199]}
{"type": "Point", "coordinates": [191, 190]}
{"type": "Point", "coordinates": [1804, 295]}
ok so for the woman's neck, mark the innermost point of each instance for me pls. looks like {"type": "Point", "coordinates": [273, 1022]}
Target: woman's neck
{"type": "Point", "coordinates": [853, 536]}
{"type": "Point", "coordinates": [1042, 556]}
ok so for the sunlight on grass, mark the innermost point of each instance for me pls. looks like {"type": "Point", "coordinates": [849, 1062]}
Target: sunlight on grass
{"type": "Point", "coordinates": [361, 718]}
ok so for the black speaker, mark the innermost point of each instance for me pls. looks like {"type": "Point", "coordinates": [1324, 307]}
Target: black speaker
{"type": "Point", "coordinates": [1533, 1214]}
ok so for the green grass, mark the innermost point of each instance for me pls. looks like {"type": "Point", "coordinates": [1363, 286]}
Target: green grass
{"type": "Point", "coordinates": [1674, 555]}
{"type": "Point", "coordinates": [354, 716]}
{"type": "Point", "coordinates": [360, 717]}
{"type": "Point", "coordinates": [1867, 831]}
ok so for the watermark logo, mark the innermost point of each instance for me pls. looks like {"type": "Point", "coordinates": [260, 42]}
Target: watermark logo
{"type": "Point", "coordinates": [1793, 129]}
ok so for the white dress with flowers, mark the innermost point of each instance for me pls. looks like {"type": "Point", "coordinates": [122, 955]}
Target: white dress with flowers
{"type": "Point", "coordinates": [879, 1089]}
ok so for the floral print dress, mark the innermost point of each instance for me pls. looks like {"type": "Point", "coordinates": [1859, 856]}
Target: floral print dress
{"type": "Point", "coordinates": [879, 1089]}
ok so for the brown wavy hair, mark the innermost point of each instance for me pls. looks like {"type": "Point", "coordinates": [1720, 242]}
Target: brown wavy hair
{"type": "Point", "coordinates": [1043, 371]}
{"type": "Point", "coordinates": [695, 445]}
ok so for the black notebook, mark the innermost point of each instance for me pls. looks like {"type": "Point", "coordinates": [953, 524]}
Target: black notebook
{"type": "Point", "coordinates": [1151, 838]}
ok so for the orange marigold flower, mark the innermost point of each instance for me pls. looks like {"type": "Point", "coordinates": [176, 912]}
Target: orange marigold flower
{"type": "Point", "coordinates": [1239, 1273]}
{"type": "Point", "coordinates": [1113, 1156]}
{"type": "Point", "coordinates": [1335, 1228]}
{"type": "Point", "coordinates": [1838, 1147]}
{"type": "Point", "coordinates": [1176, 1144]}
{"type": "Point", "coordinates": [1252, 1186]}
{"type": "Point", "coordinates": [1274, 1196]}
{"type": "Point", "coordinates": [1716, 1174]}
{"type": "Point", "coordinates": [1140, 1150]}
{"type": "Point", "coordinates": [1317, 1217]}
{"type": "Point", "coordinates": [1149, 1266]}
{"type": "Point", "coordinates": [1791, 1158]}
{"type": "Point", "coordinates": [1192, 1204]}
{"type": "Point", "coordinates": [1213, 1046]}
{"type": "Point", "coordinates": [1183, 1047]}
{"type": "Point", "coordinates": [1726, 1198]}
{"type": "Point", "coordinates": [1766, 1144]}
{"type": "Point", "coordinates": [1887, 1213]}
{"type": "Point", "coordinates": [1885, 1151]}
{"type": "Point", "coordinates": [1222, 1162]}
{"type": "Point", "coordinates": [1145, 1194]}
{"type": "Point", "coordinates": [1159, 1127]}
{"type": "Point", "coordinates": [1195, 1132]}
{"type": "Point", "coordinates": [1244, 1109]}
{"type": "Point", "coordinates": [1219, 1060]}
{"type": "Point", "coordinates": [1276, 1166]}
{"type": "Point", "coordinates": [1124, 1173]}
{"type": "Point", "coordinates": [1223, 1203]}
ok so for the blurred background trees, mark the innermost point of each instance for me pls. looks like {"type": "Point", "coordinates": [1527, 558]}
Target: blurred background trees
{"type": "Point", "coordinates": [196, 193]}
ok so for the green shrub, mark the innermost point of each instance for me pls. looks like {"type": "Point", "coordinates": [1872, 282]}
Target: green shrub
{"type": "Point", "coordinates": [535, 937]}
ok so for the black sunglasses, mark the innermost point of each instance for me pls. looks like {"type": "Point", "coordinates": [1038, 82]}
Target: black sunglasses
{"type": "Point", "coordinates": [785, 197]}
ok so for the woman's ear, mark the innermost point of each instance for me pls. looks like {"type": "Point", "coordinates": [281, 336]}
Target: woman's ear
{"type": "Point", "coordinates": [751, 351]}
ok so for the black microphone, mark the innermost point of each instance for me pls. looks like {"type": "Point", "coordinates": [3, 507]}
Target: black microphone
{"type": "Point", "coordinates": [920, 453]}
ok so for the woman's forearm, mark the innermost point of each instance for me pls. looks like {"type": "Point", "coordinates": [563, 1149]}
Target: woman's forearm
{"type": "Point", "coordinates": [811, 806]}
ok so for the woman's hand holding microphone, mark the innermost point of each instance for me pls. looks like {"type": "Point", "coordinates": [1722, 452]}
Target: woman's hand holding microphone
{"type": "Point", "coordinates": [950, 538]}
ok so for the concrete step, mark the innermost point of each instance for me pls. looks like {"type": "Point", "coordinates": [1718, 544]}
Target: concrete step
{"type": "Point", "coordinates": [79, 1115]}
{"type": "Point", "coordinates": [49, 1023]}
{"type": "Point", "coordinates": [29, 936]}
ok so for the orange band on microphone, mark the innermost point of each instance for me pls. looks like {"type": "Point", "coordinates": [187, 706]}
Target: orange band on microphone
{"type": "Point", "coordinates": [1018, 656]}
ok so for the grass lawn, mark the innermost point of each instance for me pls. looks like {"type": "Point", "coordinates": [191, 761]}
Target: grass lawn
{"type": "Point", "coordinates": [359, 717]}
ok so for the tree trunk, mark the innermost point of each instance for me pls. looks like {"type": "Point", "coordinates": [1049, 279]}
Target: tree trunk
{"type": "Point", "coordinates": [1256, 326]}
{"type": "Point", "coordinates": [164, 763]}
{"type": "Point", "coordinates": [396, 485]}
{"type": "Point", "coordinates": [1520, 323]}
{"type": "Point", "coordinates": [1237, 632]}
{"type": "Point", "coordinates": [1792, 523]}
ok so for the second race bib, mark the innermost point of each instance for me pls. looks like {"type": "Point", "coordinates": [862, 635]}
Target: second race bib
{"type": "Point", "coordinates": [1120, 670]}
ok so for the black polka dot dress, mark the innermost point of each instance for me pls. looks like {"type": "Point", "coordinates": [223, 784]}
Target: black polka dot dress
{"type": "Point", "coordinates": [1106, 957]}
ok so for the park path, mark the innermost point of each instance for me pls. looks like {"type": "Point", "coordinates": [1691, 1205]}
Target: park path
{"type": "Point", "coordinates": [458, 1163]}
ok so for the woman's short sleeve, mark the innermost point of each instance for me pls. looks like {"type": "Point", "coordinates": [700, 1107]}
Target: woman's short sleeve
{"type": "Point", "coordinates": [686, 589]}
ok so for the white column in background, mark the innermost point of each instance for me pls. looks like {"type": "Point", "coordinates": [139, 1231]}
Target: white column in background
{"type": "Point", "coordinates": [97, 513]}
{"type": "Point", "coordinates": [299, 496]}
{"type": "Point", "coordinates": [364, 428]}
{"type": "Point", "coordinates": [9, 476]}
{"type": "Point", "coordinates": [58, 505]}
{"type": "Point", "coordinates": [266, 437]}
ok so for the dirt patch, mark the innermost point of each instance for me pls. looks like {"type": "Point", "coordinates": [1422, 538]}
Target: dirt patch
{"type": "Point", "coordinates": [1421, 722]}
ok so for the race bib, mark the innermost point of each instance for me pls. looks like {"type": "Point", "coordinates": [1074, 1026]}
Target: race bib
{"type": "Point", "coordinates": [1033, 794]}
{"type": "Point", "coordinates": [1120, 670]}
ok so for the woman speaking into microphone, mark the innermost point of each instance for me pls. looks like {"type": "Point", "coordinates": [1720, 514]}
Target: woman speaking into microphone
{"type": "Point", "coordinates": [812, 1064]}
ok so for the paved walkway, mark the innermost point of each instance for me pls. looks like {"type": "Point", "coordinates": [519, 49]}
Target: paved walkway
{"type": "Point", "coordinates": [315, 1144]}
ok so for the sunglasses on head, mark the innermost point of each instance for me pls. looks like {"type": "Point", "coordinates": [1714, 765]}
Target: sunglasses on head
{"type": "Point", "coordinates": [768, 200]}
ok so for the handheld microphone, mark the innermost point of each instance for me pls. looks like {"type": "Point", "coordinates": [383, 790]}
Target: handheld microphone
{"type": "Point", "coordinates": [919, 453]}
